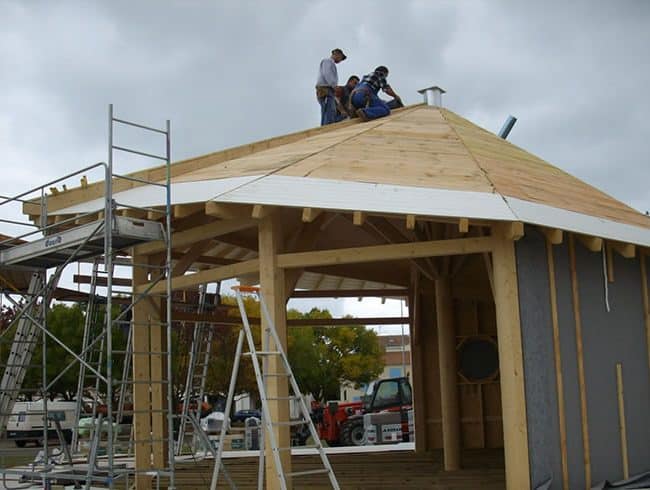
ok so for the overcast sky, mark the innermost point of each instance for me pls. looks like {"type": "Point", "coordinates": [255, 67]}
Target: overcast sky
{"type": "Point", "coordinates": [576, 75]}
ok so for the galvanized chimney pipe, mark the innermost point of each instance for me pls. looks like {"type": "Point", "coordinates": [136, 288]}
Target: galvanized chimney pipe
{"type": "Point", "coordinates": [432, 95]}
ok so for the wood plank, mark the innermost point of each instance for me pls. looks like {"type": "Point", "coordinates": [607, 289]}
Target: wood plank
{"type": "Point", "coordinates": [553, 235]}
{"type": "Point", "coordinates": [188, 237]}
{"type": "Point", "coordinates": [310, 214]}
{"type": "Point", "coordinates": [591, 243]}
{"type": "Point", "coordinates": [559, 380]}
{"type": "Point", "coordinates": [646, 300]}
{"type": "Point", "coordinates": [352, 293]}
{"type": "Point", "coordinates": [185, 210]}
{"type": "Point", "coordinates": [206, 276]}
{"type": "Point", "coordinates": [358, 218]}
{"type": "Point", "coordinates": [195, 251]}
{"type": "Point", "coordinates": [626, 250]}
{"type": "Point", "coordinates": [447, 360]}
{"type": "Point", "coordinates": [227, 211]}
{"type": "Point", "coordinates": [410, 222]}
{"type": "Point", "coordinates": [463, 225]}
{"type": "Point", "coordinates": [374, 253]}
{"type": "Point", "coordinates": [621, 420]}
{"type": "Point", "coordinates": [581, 368]}
{"type": "Point", "coordinates": [515, 429]}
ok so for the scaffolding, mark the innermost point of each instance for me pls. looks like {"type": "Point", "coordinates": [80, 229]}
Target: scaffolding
{"type": "Point", "coordinates": [102, 236]}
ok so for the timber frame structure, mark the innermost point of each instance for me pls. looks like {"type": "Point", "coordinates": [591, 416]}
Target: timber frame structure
{"type": "Point", "coordinates": [426, 205]}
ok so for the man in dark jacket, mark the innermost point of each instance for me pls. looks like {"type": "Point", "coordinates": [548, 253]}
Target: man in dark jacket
{"type": "Point", "coordinates": [365, 100]}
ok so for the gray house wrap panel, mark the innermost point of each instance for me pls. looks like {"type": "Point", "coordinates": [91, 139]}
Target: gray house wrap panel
{"type": "Point", "coordinates": [539, 360]}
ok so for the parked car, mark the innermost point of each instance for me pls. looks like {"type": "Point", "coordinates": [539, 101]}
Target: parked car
{"type": "Point", "coordinates": [242, 415]}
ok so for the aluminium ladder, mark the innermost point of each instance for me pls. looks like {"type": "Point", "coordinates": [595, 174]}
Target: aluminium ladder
{"type": "Point", "coordinates": [270, 341]}
{"type": "Point", "coordinates": [197, 369]}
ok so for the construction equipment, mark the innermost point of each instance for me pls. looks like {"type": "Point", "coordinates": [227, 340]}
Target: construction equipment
{"type": "Point", "coordinates": [341, 423]}
{"type": "Point", "coordinates": [103, 230]}
{"type": "Point", "coordinates": [271, 347]}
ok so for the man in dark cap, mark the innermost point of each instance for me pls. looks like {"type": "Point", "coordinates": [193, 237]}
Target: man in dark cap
{"type": "Point", "coordinates": [365, 100]}
{"type": "Point", "coordinates": [343, 97]}
{"type": "Point", "coordinates": [326, 83]}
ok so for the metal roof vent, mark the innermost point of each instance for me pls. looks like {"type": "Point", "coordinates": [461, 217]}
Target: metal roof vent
{"type": "Point", "coordinates": [432, 95]}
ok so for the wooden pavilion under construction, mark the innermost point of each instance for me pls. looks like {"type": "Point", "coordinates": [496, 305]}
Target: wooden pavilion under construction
{"type": "Point", "coordinates": [527, 288]}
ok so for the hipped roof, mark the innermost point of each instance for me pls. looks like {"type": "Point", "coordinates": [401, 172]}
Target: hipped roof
{"type": "Point", "coordinates": [422, 160]}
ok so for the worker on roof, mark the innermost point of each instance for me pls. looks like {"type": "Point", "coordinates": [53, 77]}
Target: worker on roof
{"type": "Point", "coordinates": [326, 83]}
{"type": "Point", "coordinates": [365, 100]}
{"type": "Point", "coordinates": [342, 97]}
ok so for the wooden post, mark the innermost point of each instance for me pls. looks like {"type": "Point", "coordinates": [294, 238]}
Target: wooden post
{"type": "Point", "coordinates": [272, 287]}
{"type": "Point", "coordinates": [646, 300]}
{"type": "Point", "coordinates": [448, 386]}
{"type": "Point", "coordinates": [559, 380]}
{"type": "Point", "coordinates": [621, 420]}
{"type": "Point", "coordinates": [143, 313]}
{"type": "Point", "coordinates": [415, 331]}
{"type": "Point", "coordinates": [511, 366]}
{"type": "Point", "coordinates": [581, 366]}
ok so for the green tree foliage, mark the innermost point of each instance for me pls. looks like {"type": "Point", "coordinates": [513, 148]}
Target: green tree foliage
{"type": "Point", "coordinates": [66, 323]}
{"type": "Point", "coordinates": [323, 357]}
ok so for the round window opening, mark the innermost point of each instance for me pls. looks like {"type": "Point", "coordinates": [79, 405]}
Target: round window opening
{"type": "Point", "coordinates": [478, 359]}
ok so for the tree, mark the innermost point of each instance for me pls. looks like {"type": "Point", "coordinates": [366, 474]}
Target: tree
{"type": "Point", "coordinates": [324, 357]}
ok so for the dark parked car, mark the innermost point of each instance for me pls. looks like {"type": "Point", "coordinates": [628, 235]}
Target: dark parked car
{"type": "Point", "coordinates": [242, 415]}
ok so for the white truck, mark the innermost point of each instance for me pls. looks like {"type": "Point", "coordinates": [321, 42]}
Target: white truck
{"type": "Point", "coordinates": [26, 421]}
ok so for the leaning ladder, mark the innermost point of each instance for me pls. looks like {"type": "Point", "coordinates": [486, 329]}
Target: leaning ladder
{"type": "Point", "coordinates": [268, 424]}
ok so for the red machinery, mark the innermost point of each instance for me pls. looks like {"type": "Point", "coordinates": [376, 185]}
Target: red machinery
{"type": "Point", "coordinates": [341, 423]}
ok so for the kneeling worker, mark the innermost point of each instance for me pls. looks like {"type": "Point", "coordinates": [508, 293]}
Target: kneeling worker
{"type": "Point", "coordinates": [365, 100]}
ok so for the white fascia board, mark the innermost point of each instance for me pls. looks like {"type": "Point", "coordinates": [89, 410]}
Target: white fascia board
{"type": "Point", "coordinates": [541, 214]}
{"type": "Point", "coordinates": [151, 195]}
{"type": "Point", "coordinates": [276, 190]}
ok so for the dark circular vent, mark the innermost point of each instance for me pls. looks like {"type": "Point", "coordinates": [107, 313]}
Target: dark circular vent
{"type": "Point", "coordinates": [478, 359]}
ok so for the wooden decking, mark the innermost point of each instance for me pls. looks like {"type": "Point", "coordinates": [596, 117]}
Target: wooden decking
{"type": "Point", "coordinates": [484, 469]}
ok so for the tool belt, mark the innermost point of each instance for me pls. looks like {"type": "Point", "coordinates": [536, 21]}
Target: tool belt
{"type": "Point", "coordinates": [323, 91]}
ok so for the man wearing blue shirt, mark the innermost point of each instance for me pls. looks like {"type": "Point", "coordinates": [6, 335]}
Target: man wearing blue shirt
{"type": "Point", "coordinates": [365, 100]}
{"type": "Point", "coordinates": [326, 82]}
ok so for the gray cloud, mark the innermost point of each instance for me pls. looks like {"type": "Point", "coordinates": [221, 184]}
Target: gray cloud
{"type": "Point", "coordinates": [227, 73]}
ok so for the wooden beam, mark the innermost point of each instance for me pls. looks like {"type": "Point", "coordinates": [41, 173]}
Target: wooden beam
{"type": "Point", "coordinates": [305, 240]}
{"type": "Point", "coordinates": [581, 367]}
{"type": "Point", "coordinates": [514, 230]}
{"type": "Point", "coordinates": [410, 222]}
{"type": "Point", "coordinates": [511, 368]}
{"type": "Point", "coordinates": [206, 259]}
{"type": "Point", "coordinates": [260, 212]}
{"type": "Point", "coordinates": [188, 237]}
{"type": "Point", "coordinates": [554, 236]}
{"type": "Point", "coordinates": [626, 250]}
{"type": "Point", "coordinates": [375, 253]}
{"type": "Point", "coordinates": [463, 225]}
{"type": "Point", "coordinates": [621, 420]}
{"type": "Point", "coordinates": [205, 276]}
{"type": "Point", "coordinates": [557, 351]}
{"type": "Point", "coordinates": [448, 369]}
{"type": "Point", "coordinates": [351, 293]}
{"type": "Point", "coordinates": [646, 300]}
{"type": "Point", "coordinates": [100, 281]}
{"type": "Point", "coordinates": [227, 211]}
{"type": "Point", "coordinates": [358, 218]}
{"type": "Point", "coordinates": [591, 243]}
{"type": "Point", "coordinates": [310, 214]}
{"type": "Point", "coordinates": [190, 256]}
{"type": "Point", "coordinates": [184, 210]}
{"type": "Point", "coordinates": [272, 290]}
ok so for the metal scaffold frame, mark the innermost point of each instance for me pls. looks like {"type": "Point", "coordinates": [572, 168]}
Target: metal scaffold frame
{"type": "Point", "coordinates": [55, 242]}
